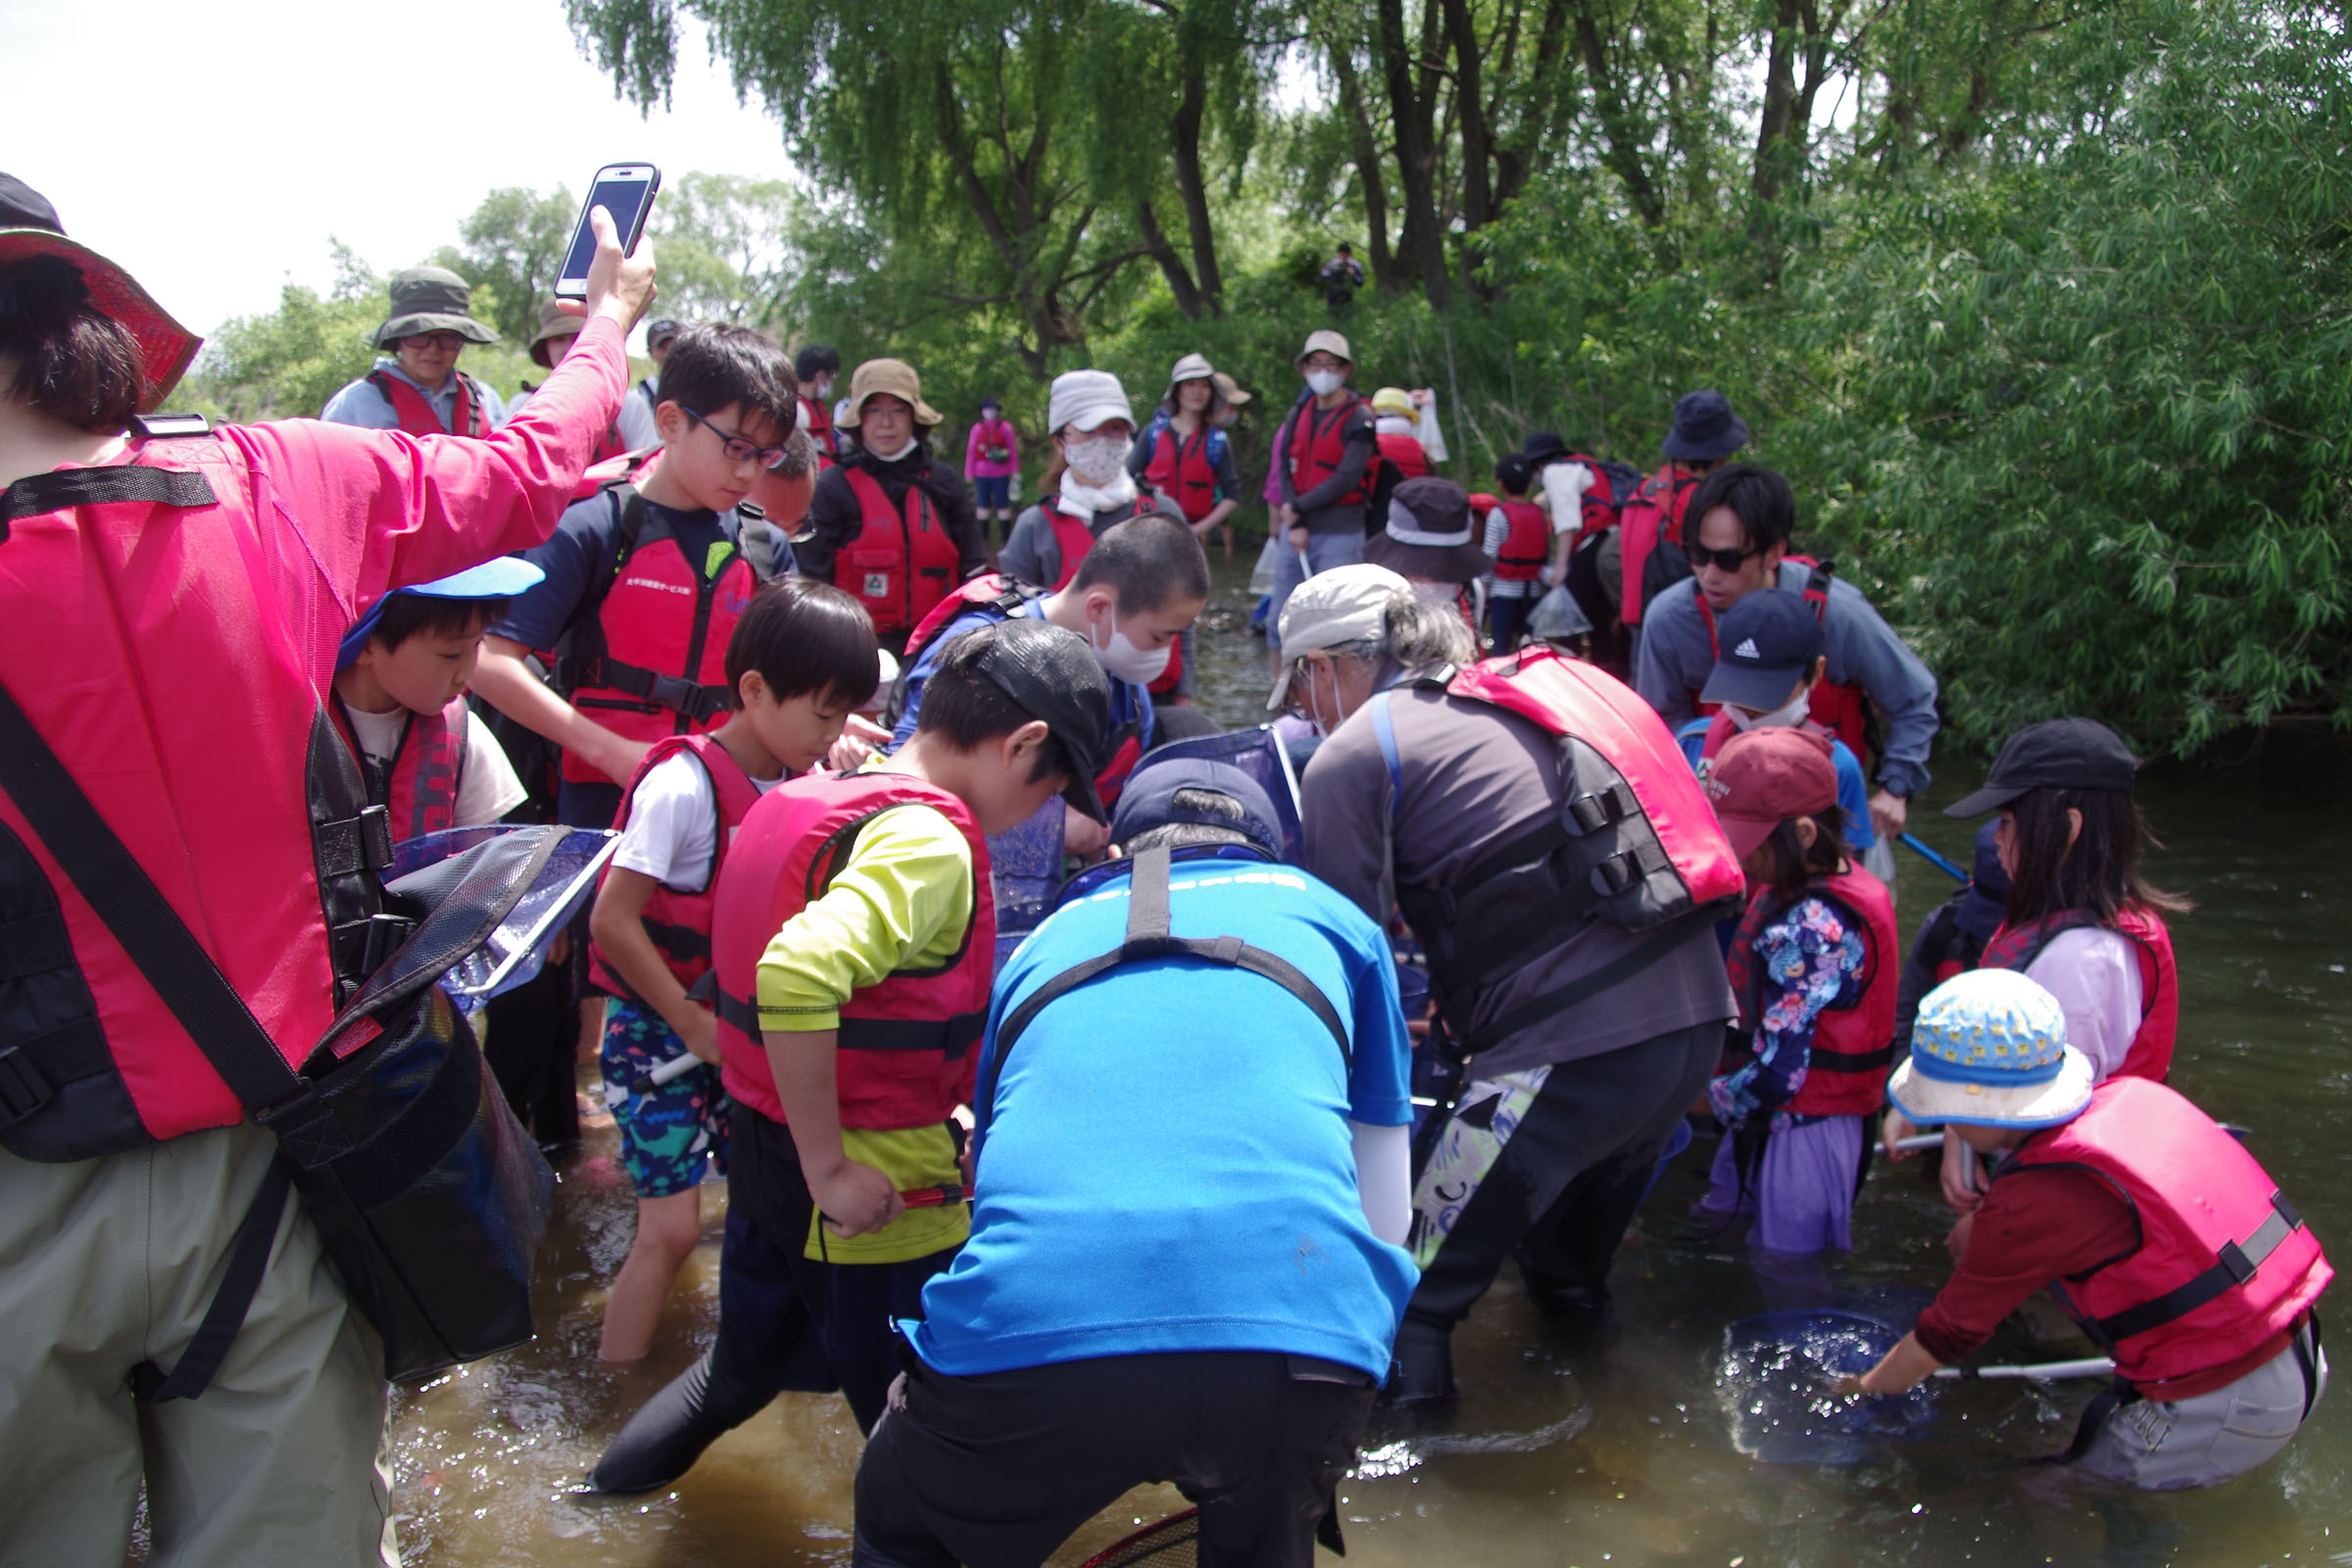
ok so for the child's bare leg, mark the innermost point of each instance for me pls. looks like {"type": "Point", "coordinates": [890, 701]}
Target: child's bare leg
{"type": "Point", "coordinates": [666, 1229]}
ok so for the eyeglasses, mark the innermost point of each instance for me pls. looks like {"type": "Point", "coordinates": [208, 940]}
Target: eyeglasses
{"type": "Point", "coordinates": [1723, 561]}
{"type": "Point", "coordinates": [446, 342]}
{"type": "Point", "coordinates": [737, 448]}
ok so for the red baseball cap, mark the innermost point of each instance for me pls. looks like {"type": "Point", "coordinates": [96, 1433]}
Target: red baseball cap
{"type": "Point", "coordinates": [1765, 776]}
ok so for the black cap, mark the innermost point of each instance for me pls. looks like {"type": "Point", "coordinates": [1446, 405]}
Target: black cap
{"type": "Point", "coordinates": [1704, 429]}
{"type": "Point", "coordinates": [660, 328]}
{"type": "Point", "coordinates": [1768, 640]}
{"type": "Point", "coordinates": [1541, 447]}
{"type": "Point", "coordinates": [2068, 753]}
{"type": "Point", "coordinates": [1148, 800]}
{"type": "Point", "coordinates": [1051, 675]}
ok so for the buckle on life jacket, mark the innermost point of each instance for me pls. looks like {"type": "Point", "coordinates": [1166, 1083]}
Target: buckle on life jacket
{"type": "Point", "coordinates": [24, 1087]}
{"type": "Point", "coordinates": [1590, 814]}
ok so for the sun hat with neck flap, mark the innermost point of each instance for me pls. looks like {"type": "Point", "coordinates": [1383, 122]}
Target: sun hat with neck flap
{"type": "Point", "coordinates": [30, 230]}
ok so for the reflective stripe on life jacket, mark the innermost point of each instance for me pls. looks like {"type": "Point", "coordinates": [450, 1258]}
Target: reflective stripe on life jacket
{"type": "Point", "coordinates": [679, 920]}
{"type": "Point", "coordinates": [419, 784]}
{"type": "Point", "coordinates": [1845, 1071]}
{"type": "Point", "coordinates": [2224, 1262]}
{"type": "Point", "coordinates": [1529, 544]}
{"type": "Point", "coordinates": [902, 563]}
{"type": "Point", "coordinates": [2151, 1052]}
{"type": "Point", "coordinates": [906, 1057]}
{"type": "Point", "coordinates": [1318, 444]}
{"type": "Point", "coordinates": [155, 576]}
{"type": "Point", "coordinates": [1840, 708]}
{"type": "Point", "coordinates": [469, 416]}
{"type": "Point", "coordinates": [1184, 471]}
{"type": "Point", "coordinates": [1631, 841]}
{"type": "Point", "coordinates": [651, 660]}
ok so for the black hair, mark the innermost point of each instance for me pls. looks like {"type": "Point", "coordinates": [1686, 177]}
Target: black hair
{"type": "Point", "coordinates": [1514, 472]}
{"type": "Point", "coordinates": [75, 363]}
{"type": "Point", "coordinates": [1346, 249]}
{"type": "Point", "coordinates": [1149, 562]}
{"type": "Point", "coordinates": [805, 636]}
{"type": "Point", "coordinates": [715, 363]}
{"type": "Point", "coordinates": [962, 706]}
{"type": "Point", "coordinates": [1795, 862]}
{"type": "Point", "coordinates": [1192, 835]}
{"type": "Point", "coordinates": [2099, 872]}
{"type": "Point", "coordinates": [408, 616]}
{"type": "Point", "coordinates": [814, 361]}
{"type": "Point", "coordinates": [1758, 497]}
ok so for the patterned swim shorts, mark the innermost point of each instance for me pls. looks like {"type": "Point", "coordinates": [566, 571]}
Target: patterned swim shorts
{"type": "Point", "coordinates": [669, 1131]}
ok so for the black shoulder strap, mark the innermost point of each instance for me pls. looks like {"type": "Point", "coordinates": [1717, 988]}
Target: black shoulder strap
{"type": "Point", "coordinates": [583, 628]}
{"type": "Point", "coordinates": [1148, 937]}
{"type": "Point", "coordinates": [39, 493]}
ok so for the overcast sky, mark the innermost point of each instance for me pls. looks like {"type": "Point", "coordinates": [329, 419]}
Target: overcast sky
{"type": "Point", "coordinates": [215, 148]}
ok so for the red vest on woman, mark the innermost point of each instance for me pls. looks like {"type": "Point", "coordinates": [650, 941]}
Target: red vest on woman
{"type": "Point", "coordinates": [1529, 544]}
{"type": "Point", "coordinates": [679, 922]}
{"type": "Point", "coordinates": [1845, 1072]}
{"type": "Point", "coordinates": [467, 416]}
{"type": "Point", "coordinates": [652, 660]}
{"type": "Point", "coordinates": [906, 1046]}
{"type": "Point", "coordinates": [1179, 468]}
{"type": "Point", "coordinates": [902, 563]}
{"type": "Point", "coordinates": [420, 783]}
{"type": "Point", "coordinates": [2151, 1052]}
{"type": "Point", "coordinates": [2224, 1263]}
{"type": "Point", "coordinates": [1318, 444]}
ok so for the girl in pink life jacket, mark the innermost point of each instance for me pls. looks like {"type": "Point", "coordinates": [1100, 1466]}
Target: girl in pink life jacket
{"type": "Point", "coordinates": [2081, 920]}
{"type": "Point", "coordinates": [2155, 1229]}
{"type": "Point", "coordinates": [992, 465]}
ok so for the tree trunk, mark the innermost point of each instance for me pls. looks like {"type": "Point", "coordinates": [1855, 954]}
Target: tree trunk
{"type": "Point", "coordinates": [1171, 265]}
{"type": "Point", "coordinates": [1192, 186]}
{"type": "Point", "coordinates": [1780, 140]}
{"type": "Point", "coordinates": [1621, 136]}
{"type": "Point", "coordinates": [1413, 155]}
{"type": "Point", "coordinates": [1478, 197]}
{"type": "Point", "coordinates": [1366, 155]}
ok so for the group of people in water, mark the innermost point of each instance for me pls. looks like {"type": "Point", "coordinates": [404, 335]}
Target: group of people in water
{"type": "Point", "coordinates": [1168, 1172]}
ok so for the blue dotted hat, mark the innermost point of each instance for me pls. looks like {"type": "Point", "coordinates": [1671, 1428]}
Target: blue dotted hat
{"type": "Point", "coordinates": [1990, 1050]}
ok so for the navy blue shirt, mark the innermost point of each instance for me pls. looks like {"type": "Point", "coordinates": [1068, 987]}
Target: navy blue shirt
{"type": "Point", "coordinates": [584, 551]}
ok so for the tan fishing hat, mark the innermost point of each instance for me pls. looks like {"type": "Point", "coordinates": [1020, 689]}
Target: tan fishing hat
{"type": "Point", "coordinates": [1230, 390]}
{"type": "Point", "coordinates": [894, 376]}
{"type": "Point", "coordinates": [1344, 605]}
{"type": "Point", "coordinates": [1327, 342]}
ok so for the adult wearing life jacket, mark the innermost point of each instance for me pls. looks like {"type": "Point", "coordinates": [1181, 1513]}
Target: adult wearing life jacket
{"type": "Point", "coordinates": [893, 525]}
{"type": "Point", "coordinates": [1812, 969]}
{"type": "Point", "coordinates": [1087, 488]}
{"type": "Point", "coordinates": [1737, 531]}
{"type": "Point", "coordinates": [1650, 545]}
{"type": "Point", "coordinates": [416, 385]}
{"type": "Point", "coordinates": [1184, 457]}
{"type": "Point", "coordinates": [1952, 940]}
{"type": "Point", "coordinates": [557, 330]}
{"type": "Point", "coordinates": [1326, 466]}
{"type": "Point", "coordinates": [645, 584]}
{"type": "Point", "coordinates": [1395, 425]}
{"type": "Point", "coordinates": [1495, 803]}
{"type": "Point", "coordinates": [638, 428]}
{"type": "Point", "coordinates": [1427, 540]}
{"type": "Point", "coordinates": [137, 634]}
{"type": "Point", "coordinates": [991, 466]}
{"type": "Point", "coordinates": [1585, 497]}
{"type": "Point", "coordinates": [2156, 1230]}
{"type": "Point", "coordinates": [818, 366]}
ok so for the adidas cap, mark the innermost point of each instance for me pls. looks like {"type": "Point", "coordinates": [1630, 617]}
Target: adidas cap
{"type": "Point", "coordinates": [1768, 640]}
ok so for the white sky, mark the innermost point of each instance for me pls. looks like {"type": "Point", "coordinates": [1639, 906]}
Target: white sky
{"type": "Point", "coordinates": [256, 129]}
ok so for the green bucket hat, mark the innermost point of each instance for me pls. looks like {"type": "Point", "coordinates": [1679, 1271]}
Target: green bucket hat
{"type": "Point", "coordinates": [430, 299]}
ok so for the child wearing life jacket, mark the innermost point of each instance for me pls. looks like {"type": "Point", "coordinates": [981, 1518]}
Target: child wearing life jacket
{"type": "Point", "coordinates": [400, 702]}
{"type": "Point", "coordinates": [2081, 920]}
{"type": "Point", "coordinates": [2156, 1230]}
{"type": "Point", "coordinates": [416, 384]}
{"type": "Point", "coordinates": [1813, 972]}
{"type": "Point", "coordinates": [800, 660]}
{"type": "Point", "coordinates": [1519, 538]}
{"type": "Point", "coordinates": [852, 945]}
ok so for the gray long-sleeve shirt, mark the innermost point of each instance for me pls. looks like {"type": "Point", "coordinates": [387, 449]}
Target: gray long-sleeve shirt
{"type": "Point", "coordinates": [1678, 655]}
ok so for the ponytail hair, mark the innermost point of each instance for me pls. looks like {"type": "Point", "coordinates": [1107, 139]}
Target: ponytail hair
{"type": "Point", "coordinates": [71, 362]}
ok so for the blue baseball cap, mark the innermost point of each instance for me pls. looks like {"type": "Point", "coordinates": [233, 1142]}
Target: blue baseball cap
{"type": "Point", "coordinates": [501, 578]}
{"type": "Point", "coordinates": [1148, 800]}
{"type": "Point", "coordinates": [1768, 640]}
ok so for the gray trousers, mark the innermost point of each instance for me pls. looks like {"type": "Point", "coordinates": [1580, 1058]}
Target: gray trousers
{"type": "Point", "coordinates": [2160, 1446]}
{"type": "Point", "coordinates": [1324, 551]}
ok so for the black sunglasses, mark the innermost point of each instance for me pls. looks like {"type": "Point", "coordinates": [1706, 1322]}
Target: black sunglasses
{"type": "Point", "coordinates": [1720, 560]}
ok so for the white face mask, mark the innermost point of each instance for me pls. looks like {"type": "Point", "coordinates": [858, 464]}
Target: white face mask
{"type": "Point", "coordinates": [1096, 459]}
{"type": "Point", "coordinates": [1123, 660]}
{"type": "Point", "coordinates": [1794, 712]}
{"type": "Point", "coordinates": [822, 389]}
{"type": "Point", "coordinates": [1323, 383]}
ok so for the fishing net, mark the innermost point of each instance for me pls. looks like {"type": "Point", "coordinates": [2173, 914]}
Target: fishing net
{"type": "Point", "coordinates": [1776, 1387]}
{"type": "Point", "coordinates": [1169, 1543]}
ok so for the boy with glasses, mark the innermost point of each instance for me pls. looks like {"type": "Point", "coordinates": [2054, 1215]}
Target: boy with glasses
{"type": "Point", "coordinates": [417, 385]}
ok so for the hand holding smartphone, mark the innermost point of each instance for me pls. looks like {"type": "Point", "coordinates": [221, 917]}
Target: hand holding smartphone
{"type": "Point", "coordinates": [625, 191]}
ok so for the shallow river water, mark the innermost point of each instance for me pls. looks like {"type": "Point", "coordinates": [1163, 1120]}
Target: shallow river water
{"type": "Point", "coordinates": [1612, 1448]}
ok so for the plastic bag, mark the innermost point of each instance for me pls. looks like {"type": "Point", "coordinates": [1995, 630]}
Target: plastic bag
{"type": "Point", "coordinates": [1559, 617]}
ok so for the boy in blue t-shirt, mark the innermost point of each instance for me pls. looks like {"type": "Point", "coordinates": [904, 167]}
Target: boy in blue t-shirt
{"type": "Point", "coordinates": [1186, 1260]}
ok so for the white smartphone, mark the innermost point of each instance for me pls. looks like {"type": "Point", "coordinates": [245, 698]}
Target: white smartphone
{"type": "Point", "coordinates": [627, 191]}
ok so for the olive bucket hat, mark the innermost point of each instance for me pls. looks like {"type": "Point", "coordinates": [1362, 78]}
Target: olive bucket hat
{"type": "Point", "coordinates": [431, 299]}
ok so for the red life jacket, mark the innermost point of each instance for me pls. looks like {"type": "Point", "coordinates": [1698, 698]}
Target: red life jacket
{"type": "Point", "coordinates": [469, 415]}
{"type": "Point", "coordinates": [651, 660]}
{"type": "Point", "coordinates": [419, 784]}
{"type": "Point", "coordinates": [1845, 1073]}
{"type": "Point", "coordinates": [1317, 446]}
{"type": "Point", "coordinates": [817, 420]}
{"type": "Point", "coordinates": [1001, 597]}
{"type": "Point", "coordinates": [1405, 453]}
{"type": "Point", "coordinates": [679, 922]}
{"type": "Point", "coordinates": [901, 564]}
{"type": "Point", "coordinates": [1075, 536]}
{"type": "Point", "coordinates": [1529, 544]}
{"type": "Point", "coordinates": [2224, 1262]}
{"type": "Point", "coordinates": [1654, 512]}
{"type": "Point", "coordinates": [906, 1057]}
{"type": "Point", "coordinates": [1181, 471]}
{"type": "Point", "coordinates": [1632, 841]}
{"type": "Point", "coordinates": [155, 576]}
{"type": "Point", "coordinates": [2151, 1052]}
{"type": "Point", "coordinates": [1842, 710]}
{"type": "Point", "coordinates": [1613, 488]}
